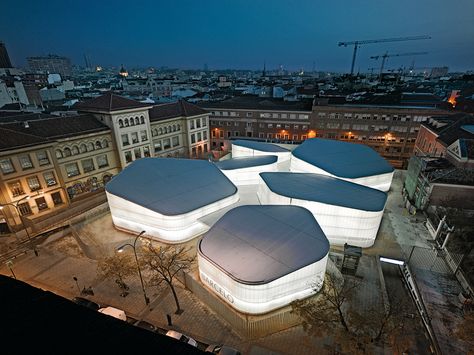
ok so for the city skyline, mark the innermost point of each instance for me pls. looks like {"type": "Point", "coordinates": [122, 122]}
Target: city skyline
{"type": "Point", "coordinates": [241, 35]}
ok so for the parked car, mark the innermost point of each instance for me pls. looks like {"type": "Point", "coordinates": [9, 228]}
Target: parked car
{"type": "Point", "coordinates": [145, 325]}
{"type": "Point", "coordinates": [86, 303]}
{"type": "Point", "coordinates": [114, 312]}
{"type": "Point", "coordinates": [181, 337]}
{"type": "Point", "coordinates": [222, 350]}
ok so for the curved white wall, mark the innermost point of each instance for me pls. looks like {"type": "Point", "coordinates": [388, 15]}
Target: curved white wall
{"type": "Point", "coordinates": [257, 299]}
{"type": "Point", "coordinates": [380, 182]}
{"type": "Point", "coordinates": [250, 175]}
{"type": "Point", "coordinates": [339, 224]}
{"type": "Point", "coordinates": [171, 229]}
{"type": "Point", "coordinates": [283, 161]}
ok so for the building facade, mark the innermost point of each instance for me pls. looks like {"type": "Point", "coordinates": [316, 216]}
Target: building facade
{"type": "Point", "coordinates": [390, 130]}
{"type": "Point", "coordinates": [52, 64]}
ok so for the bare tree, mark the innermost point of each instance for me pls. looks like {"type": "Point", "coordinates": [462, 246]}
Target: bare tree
{"type": "Point", "coordinates": [165, 263]}
{"type": "Point", "coordinates": [331, 313]}
{"type": "Point", "coordinates": [118, 267]}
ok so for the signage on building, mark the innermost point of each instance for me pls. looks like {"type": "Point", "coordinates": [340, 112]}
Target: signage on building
{"type": "Point", "coordinates": [218, 289]}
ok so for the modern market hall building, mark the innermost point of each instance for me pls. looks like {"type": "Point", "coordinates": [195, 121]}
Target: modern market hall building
{"type": "Point", "coordinates": [246, 170]}
{"type": "Point", "coordinates": [347, 212]}
{"type": "Point", "coordinates": [260, 258]}
{"type": "Point", "coordinates": [353, 162]}
{"type": "Point", "coordinates": [165, 197]}
{"type": "Point", "coordinates": [248, 148]}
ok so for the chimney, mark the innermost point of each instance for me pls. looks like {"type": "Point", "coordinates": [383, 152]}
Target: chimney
{"type": "Point", "coordinates": [26, 124]}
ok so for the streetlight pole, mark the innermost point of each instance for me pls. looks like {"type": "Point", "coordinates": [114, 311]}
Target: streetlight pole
{"type": "Point", "coordinates": [120, 249]}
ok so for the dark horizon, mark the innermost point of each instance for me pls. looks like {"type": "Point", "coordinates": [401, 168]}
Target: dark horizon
{"type": "Point", "coordinates": [242, 35]}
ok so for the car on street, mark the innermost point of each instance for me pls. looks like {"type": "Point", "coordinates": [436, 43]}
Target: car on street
{"type": "Point", "coordinates": [222, 350]}
{"type": "Point", "coordinates": [86, 303]}
{"type": "Point", "coordinates": [114, 312]}
{"type": "Point", "coordinates": [181, 337]}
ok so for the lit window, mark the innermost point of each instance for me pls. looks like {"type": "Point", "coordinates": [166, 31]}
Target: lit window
{"type": "Point", "coordinates": [72, 169]}
{"type": "Point", "coordinates": [6, 166]}
{"type": "Point", "coordinates": [33, 183]}
{"type": "Point", "coordinates": [41, 203]}
{"type": "Point", "coordinates": [25, 209]}
{"type": "Point", "coordinates": [125, 140]}
{"type": "Point", "coordinates": [146, 151]}
{"type": "Point", "coordinates": [138, 153]}
{"type": "Point", "coordinates": [49, 178]}
{"type": "Point", "coordinates": [102, 161]}
{"type": "Point", "coordinates": [143, 136]}
{"type": "Point", "coordinates": [87, 165]}
{"type": "Point", "coordinates": [42, 157]}
{"type": "Point", "coordinates": [128, 157]}
{"type": "Point", "coordinates": [16, 188]}
{"type": "Point", "coordinates": [134, 137]}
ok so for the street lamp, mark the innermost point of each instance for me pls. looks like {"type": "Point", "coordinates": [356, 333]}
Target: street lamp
{"type": "Point", "coordinates": [18, 211]}
{"type": "Point", "coordinates": [120, 249]}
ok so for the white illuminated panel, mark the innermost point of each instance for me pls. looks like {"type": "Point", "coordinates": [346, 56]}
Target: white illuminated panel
{"type": "Point", "coordinates": [250, 175]}
{"type": "Point", "coordinates": [262, 298]}
{"type": "Point", "coordinates": [380, 182]}
{"type": "Point", "coordinates": [340, 224]}
{"type": "Point", "coordinates": [283, 162]}
{"type": "Point", "coordinates": [172, 229]}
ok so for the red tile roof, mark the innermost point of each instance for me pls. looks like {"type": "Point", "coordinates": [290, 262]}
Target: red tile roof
{"type": "Point", "coordinates": [108, 102]}
{"type": "Point", "coordinates": [175, 109]}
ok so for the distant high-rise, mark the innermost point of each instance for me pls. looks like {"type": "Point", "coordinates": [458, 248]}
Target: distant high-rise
{"type": "Point", "coordinates": [4, 58]}
{"type": "Point", "coordinates": [51, 64]}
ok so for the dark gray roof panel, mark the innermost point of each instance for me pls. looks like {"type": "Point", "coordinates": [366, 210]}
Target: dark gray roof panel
{"type": "Point", "coordinates": [325, 189]}
{"type": "Point", "coordinates": [258, 244]}
{"type": "Point", "coordinates": [246, 162]}
{"type": "Point", "coordinates": [261, 146]}
{"type": "Point", "coordinates": [171, 186]}
{"type": "Point", "coordinates": [342, 159]}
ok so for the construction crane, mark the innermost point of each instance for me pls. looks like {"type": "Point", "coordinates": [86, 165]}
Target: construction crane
{"type": "Point", "coordinates": [369, 41]}
{"type": "Point", "coordinates": [386, 55]}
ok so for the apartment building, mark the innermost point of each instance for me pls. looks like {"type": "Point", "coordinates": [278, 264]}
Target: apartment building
{"type": "Point", "coordinates": [390, 130]}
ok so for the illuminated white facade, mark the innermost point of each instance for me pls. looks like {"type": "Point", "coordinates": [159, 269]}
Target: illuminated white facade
{"type": "Point", "coordinates": [238, 260]}
{"type": "Point", "coordinates": [380, 182]}
{"type": "Point", "coordinates": [258, 299]}
{"type": "Point", "coordinates": [253, 149]}
{"type": "Point", "coordinates": [246, 170]}
{"type": "Point", "coordinates": [166, 197]}
{"type": "Point", "coordinates": [340, 222]}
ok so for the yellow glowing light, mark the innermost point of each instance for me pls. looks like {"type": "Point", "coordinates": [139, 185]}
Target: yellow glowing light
{"type": "Point", "coordinates": [311, 134]}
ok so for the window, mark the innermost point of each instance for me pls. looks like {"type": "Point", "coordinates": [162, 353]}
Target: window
{"type": "Point", "coordinates": [6, 166]}
{"type": "Point", "coordinates": [166, 143]}
{"type": "Point", "coordinates": [249, 114]}
{"type": "Point", "coordinates": [90, 146]}
{"type": "Point", "coordinates": [204, 135]}
{"type": "Point", "coordinates": [138, 153]}
{"type": "Point", "coordinates": [41, 203]}
{"type": "Point", "coordinates": [16, 188]}
{"type": "Point", "coordinates": [193, 138]}
{"type": "Point", "coordinates": [25, 161]}
{"type": "Point", "coordinates": [143, 136]}
{"type": "Point", "coordinates": [57, 199]}
{"type": "Point", "coordinates": [75, 150]}
{"type": "Point", "coordinates": [199, 137]}
{"type": "Point", "coordinates": [87, 165]}
{"type": "Point", "coordinates": [270, 125]}
{"type": "Point", "coordinates": [105, 143]}
{"type": "Point", "coordinates": [42, 157]}
{"type": "Point", "coordinates": [213, 134]}
{"type": "Point", "coordinates": [146, 151]}
{"type": "Point", "coordinates": [25, 209]}
{"type": "Point", "coordinates": [157, 146]}
{"type": "Point", "coordinates": [33, 183]}
{"type": "Point", "coordinates": [229, 133]}
{"type": "Point", "coordinates": [221, 134]}
{"type": "Point", "coordinates": [134, 137]}
{"type": "Point", "coordinates": [295, 137]}
{"type": "Point", "coordinates": [248, 124]}
{"type": "Point", "coordinates": [120, 122]}
{"type": "Point", "coordinates": [137, 121]}
{"type": "Point", "coordinates": [303, 137]}
{"type": "Point", "coordinates": [82, 148]}
{"type": "Point", "coordinates": [132, 122]}
{"type": "Point", "coordinates": [49, 178]}
{"type": "Point", "coordinates": [175, 141]}
{"type": "Point", "coordinates": [142, 120]}
{"type": "Point", "coordinates": [198, 123]}
{"type": "Point", "coordinates": [204, 121]}
{"type": "Point", "coordinates": [98, 145]}
{"type": "Point", "coordinates": [128, 156]}
{"type": "Point", "coordinates": [59, 154]}
{"type": "Point", "coordinates": [236, 133]}
{"type": "Point", "coordinates": [191, 124]}
{"type": "Point", "coordinates": [102, 161]}
{"type": "Point", "coordinates": [125, 140]}
{"type": "Point", "coordinates": [154, 133]}
{"type": "Point", "coordinates": [72, 169]}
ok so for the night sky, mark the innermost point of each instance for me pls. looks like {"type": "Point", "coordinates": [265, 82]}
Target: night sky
{"type": "Point", "coordinates": [240, 34]}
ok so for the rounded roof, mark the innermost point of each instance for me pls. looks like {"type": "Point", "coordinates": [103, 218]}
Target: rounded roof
{"type": "Point", "coordinates": [171, 186]}
{"type": "Point", "coordinates": [261, 146]}
{"type": "Point", "coordinates": [342, 159]}
{"type": "Point", "coordinates": [246, 162]}
{"type": "Point", "coordinates": [258, 244]}
{"type": "Point", "coordinates": [325, 189]}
